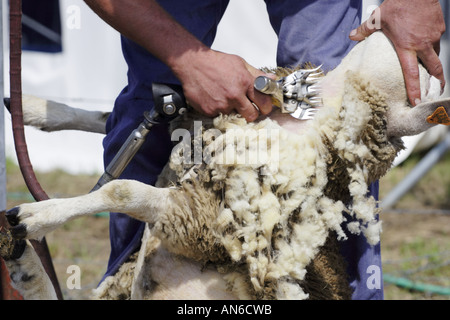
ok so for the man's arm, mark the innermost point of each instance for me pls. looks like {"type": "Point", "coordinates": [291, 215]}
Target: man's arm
{"type": "Point", "coordinates": [415, 28]}
{"type": "Point", "coordinates": [213, 82]}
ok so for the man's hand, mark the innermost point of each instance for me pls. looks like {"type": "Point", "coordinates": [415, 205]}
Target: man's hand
{"type": "Point", "coordinates": [215, 82]}
{"type": "Point", "coordinates": [415, 28]}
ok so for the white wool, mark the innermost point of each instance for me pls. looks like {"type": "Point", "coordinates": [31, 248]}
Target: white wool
{"type": "Point", "coordinates": [308, 238]}
{"type": "Point", "coordinates": [270, 212]}
{"type": "Point", "coordinates": [354, 227]}
{"type": "Point", "coordinates": [285, 194]}
{"type": "Point", "coordinates": [224, 218]}
{"type": "Point", "coordinates": [332, 215]}
{"type": "Point", "coordinates": [233, 247]}
{"type": "Point", "coordinates": [238, 285]}
{"type": "Point", "coordinates": [290, 291]}
{"type": "Point", "coordinates": [372, 232]}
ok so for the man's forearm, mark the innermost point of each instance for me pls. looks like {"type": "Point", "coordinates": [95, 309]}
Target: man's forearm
{"type": "Point", "coordinates": [213, 82]}
{"type": "Point", "coordinates": [149, 25]}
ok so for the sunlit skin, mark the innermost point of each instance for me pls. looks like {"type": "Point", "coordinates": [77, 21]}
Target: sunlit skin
{"type": "Point", "coordinates": [415, 28]}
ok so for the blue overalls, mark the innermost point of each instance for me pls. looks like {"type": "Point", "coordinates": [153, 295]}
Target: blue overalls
{"type": "Point", "coordinates": [308, 31]}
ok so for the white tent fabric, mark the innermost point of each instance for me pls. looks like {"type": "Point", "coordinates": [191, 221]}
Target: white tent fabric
{"type": "Point", "coordinates": [88, 73]}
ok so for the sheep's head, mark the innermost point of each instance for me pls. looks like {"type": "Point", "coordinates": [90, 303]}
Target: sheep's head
{"type": "Point", "coordinates": [376, 62]}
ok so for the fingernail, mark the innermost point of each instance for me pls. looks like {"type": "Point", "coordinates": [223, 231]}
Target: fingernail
{"type": "Point", "coordinates": [353, 33]}
{"type": "Point", "coordinates": [417, 101]}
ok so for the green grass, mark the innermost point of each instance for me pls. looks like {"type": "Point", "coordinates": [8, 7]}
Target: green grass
{"type": "Point", "coordinates": [416, 243]}
{"type": "Point", "coordinates": [425, 264]}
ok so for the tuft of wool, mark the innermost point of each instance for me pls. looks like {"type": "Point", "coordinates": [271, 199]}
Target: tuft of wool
{"type": "Point", "coordinates": [117, 287]}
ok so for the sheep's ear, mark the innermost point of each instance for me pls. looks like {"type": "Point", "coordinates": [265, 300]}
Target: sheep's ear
{"type": "Point", "coordinates": [440, 111]}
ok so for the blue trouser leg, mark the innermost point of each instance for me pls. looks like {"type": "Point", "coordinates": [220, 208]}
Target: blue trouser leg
{"type": "Point", "coordinates": [313, 31]}
{"type": "Point", "coordinates": [317, 31]}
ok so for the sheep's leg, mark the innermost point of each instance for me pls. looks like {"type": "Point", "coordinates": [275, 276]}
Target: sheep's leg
{"type": "Point", "coordinates": [141, 201]}
{"type": "Point", "coordinates": [26, 271]}
{"type": "Point", "coordinates": [48, 115]}
{"type": "Point", "coordinates": [412, 121]}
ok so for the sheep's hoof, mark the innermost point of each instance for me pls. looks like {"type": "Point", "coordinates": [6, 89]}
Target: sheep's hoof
{"type": "Point", "coordinates": [10, 248]}
{"type": "Point", "coordinates": [18, 230]}
{"type": "Point", "coordinates": [12, 216]}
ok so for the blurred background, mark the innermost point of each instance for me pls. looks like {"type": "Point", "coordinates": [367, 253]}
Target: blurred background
{"type": "Point", "coordinates": [71, 56]}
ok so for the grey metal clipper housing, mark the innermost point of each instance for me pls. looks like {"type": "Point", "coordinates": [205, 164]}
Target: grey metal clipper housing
{"type": "Point", "coordinates": [169, 103]}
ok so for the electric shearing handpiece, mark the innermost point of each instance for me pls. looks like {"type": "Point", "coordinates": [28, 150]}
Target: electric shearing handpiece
{"type": "Point", "coordinates": [169, 104]}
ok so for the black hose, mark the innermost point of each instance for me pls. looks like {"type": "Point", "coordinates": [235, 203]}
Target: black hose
{"type": "Point", "coordinates": [15, 18]}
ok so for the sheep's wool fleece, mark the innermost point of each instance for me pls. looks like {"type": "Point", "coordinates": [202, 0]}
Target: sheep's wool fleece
{"type": "Point", "coordinates": [275, 213]}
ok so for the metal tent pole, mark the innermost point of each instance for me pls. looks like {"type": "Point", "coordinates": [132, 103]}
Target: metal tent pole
{"type": "Point", "coordinates": [431, 158]}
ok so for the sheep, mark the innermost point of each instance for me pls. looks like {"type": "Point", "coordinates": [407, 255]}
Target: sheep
{"type": "Point", "coordinates": [266, 227]}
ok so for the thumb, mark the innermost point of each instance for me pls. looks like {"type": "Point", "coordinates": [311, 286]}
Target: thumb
{"type": "Point", "coordinates": [255, 72]}
{"type": "Point", "coordinates": [366, 28]}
